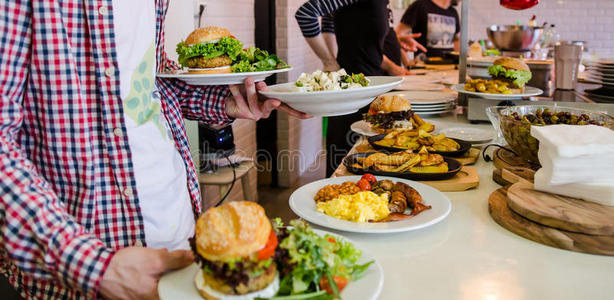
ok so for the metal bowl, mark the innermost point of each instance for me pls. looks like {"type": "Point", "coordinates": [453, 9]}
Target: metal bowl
{"type": "Point", "coordinates": [514, 37]}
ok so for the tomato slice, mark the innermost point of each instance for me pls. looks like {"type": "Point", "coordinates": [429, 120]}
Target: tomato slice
{"type": "Point", "coordinates": [340, 281]}
{"type": "Point", "coordinates": [269, 249]}
{"type": "Point", "coordinates": [332, 240]}
{"type": "Point", "coordinates": [368, 177]}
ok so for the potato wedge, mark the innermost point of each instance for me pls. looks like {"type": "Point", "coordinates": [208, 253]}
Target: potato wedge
{"type": "Point", "coordinates": [441, 168]}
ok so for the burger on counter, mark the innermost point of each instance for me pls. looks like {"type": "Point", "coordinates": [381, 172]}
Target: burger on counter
{"type": "Point", "coordinates": [213, 49]}
{"type": "Point", "coordinates": [511, 70]}
{"type": "Point", "coordinates": [235, 247]}
{"type": "Point", "coordinates": [388, 113]}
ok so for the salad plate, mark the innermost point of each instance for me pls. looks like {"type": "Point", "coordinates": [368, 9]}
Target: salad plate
{"type": "Point", "coordinates": [179, 284]}
{"type": "Point", "coordinates": [528, 91]}
{"type": "Point", "coordinates": [332, 102]}
{"type": "Point", "coordinates": [220, 78]}
{"type": "Point", "coordinates": [303, 204]}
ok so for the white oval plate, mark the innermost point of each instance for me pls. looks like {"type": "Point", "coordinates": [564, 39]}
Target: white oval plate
{"type": "Point", "coordinates": [364, 128]}
{"type": "Point", "coordinates": [222, 78]}
{"type": "Point", "coordinates": [424, 97]}
{"type": "Point", "coordinates": [180, 284]}
{"type": "Point", "coordinates": [469, 134]}
{"type": "Point", "coordinates": [332, 103]}
{"type": "Point", "coordinates": [302, 203]}
{"type": "Point", "coordinates": [528, 91]}
{"type": "Point", "coordinates": [436, 112]}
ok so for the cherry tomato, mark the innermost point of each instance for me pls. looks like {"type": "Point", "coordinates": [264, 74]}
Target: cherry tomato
{"type": "Point", "coordinates": [369, 177]}
{"type": "Point", "coordinates": [332, 240]}
{"type": "Point", "coordinates": [340, 281]}
{"type": "Point", "coordinates": [269, 249]}
{"type": "Point", "coordinates": [364, 185]}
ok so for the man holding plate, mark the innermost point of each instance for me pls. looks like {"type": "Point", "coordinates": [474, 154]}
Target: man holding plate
{"type": "Point", "coordinates": [95, 163]}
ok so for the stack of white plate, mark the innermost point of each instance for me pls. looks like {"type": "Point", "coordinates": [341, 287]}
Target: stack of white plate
{"type": "Point", "coordinates": [427, 102]}
{"type": "Point", "coordinates": [602, 72]}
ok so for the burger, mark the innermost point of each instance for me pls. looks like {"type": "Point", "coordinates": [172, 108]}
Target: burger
{"type": "Point", "coordinates": [511, 70]}
{"type": "Point", "coordinates": [208, 50]}
{"type": "Point", "coordinates": [235, 246]}
{"type": "Point", "coordinates": [387, 113]}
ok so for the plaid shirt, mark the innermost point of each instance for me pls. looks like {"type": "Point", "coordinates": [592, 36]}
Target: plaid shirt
{"type": "Point", "coordinates": [68, 193]}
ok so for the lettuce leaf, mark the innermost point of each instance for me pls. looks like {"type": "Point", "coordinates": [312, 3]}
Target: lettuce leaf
{"type": "Point", "coordinates": [519, 77]}
{"type": "Point", "coordinates": [253, 59]}
{"type": "Point", "coordinates": [226, 45]}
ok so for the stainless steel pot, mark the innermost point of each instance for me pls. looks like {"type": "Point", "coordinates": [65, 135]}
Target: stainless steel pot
{"type": "Point", "coordinates": [514, 37]}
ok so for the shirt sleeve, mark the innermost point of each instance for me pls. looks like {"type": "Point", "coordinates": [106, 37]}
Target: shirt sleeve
{"type": "Point", "coordinates": [410, 17]}
{"type": "Point", "coordinates": [328, 24]}
{"type": "Point", "coordinates": [37, 235]}
{"type": "Point", "coordinates": [308, 14]}
{"type": "Point", "coordinates": [457, 22]}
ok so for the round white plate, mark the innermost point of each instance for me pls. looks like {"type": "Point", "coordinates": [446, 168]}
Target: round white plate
{"type": "Point", "coordinates": [469, 134]}
{"type": "Point", "coordinates": [180, 284]}
{"type": "Point", "coordinates": [528, 91]}
{"type": "Point", "coordinates": [420, 87]}
{"type": "Point", "coordinates": [419, 107]}
{"type": "Point", "coordinates": [221, 79]}
{"type": "Point", "coordinates": [364, 128]}
{"type": "Point", "coordinates": [430, 109]}
{"type": "Point", "coordinates": [302, 203]}
{"type": "Point", "coordinates": [438, 112]}
{"type": "Point", "coordinates": [424, 97]}
{"type": "Point", "coordinates": [600, 79]}
{"type": "Point", "coordinates": [332, 103]}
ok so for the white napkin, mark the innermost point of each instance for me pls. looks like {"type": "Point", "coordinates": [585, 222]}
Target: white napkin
{"type": "Point", "coordinates": [586, 168]}
{"type": "Point", "coordinates": [573, 140]}
{"type": "Point", "coordinates": [601, 193]}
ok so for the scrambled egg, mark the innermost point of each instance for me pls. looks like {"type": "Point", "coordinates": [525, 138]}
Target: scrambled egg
{"type": "Point", "coordinates": [359, 207]}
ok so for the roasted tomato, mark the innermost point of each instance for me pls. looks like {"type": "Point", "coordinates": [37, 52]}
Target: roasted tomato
{"type": "Point", "coordinates": [340, 281]}
{"type": "Point", "coordinates": [364, 185]}
{"type": "Point", "coordinates": [269, 249]}
{"type": "Point", "coordinates": [369, 177]}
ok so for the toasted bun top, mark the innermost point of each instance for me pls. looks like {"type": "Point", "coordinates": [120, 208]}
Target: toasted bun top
{"type": "Point", "coordinates": [512, 63]}
{"type": "Point", "coordinates": [390, 104]}
{"type": "Point", "coordinates": [206, 34]}
{"type": "Point", "coordinates": [232, 230]}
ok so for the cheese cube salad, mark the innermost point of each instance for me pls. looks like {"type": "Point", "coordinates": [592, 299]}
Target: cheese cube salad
{"type": "Point", "coordinates": [329, 81]}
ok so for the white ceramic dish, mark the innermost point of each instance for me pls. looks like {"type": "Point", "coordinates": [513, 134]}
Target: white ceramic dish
{"type": "Point", "coordinates": [469, 134]}
{"type": "Point", "coordinates": [332, 103]}
{"type": "Point", "coordinates": [528, 91]}
{"type": "Point", "coordinates": [425, 97]}
{"type": "Point", "coordinates": [364, 128]}
{"type": "Point", "coordinates": [302, 203]}
{"type": "Point", "coordinates": [180, 284]}
{"type": "Point", "coordinates": [438, 112]}
{"type": "Point", "coordinates": [430, 109]}
{"type": "Point", "coordinates": [221, 79]}
{"type": "Point", "coordinates": [420, 87]}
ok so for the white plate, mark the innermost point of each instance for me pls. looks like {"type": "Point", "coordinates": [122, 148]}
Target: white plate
{"type": "Point", "coordinates": [180, 284]}
{"type": "Point", "coordinates": [221, 79]}
{"type": "Point", "coordinates": [302, 203]}
{"type": "Point", "coordinates": [469, 134]}
{"type": "Point", "coordinates": [600, 79]}
{"type": "Point", "coordinates": [420, 87]}
{"type": "Point", "coordinates": [438, 112]}
{"type": "Point", "coordinates": [364, 128]}
{"type": "Point", "coordinates": [528, 91]}
{"type": "Point", "coordinates": [419, 107]}
{"type": "Point", "coordinates": [424, 97]}
{"type": "Point", "coordinates": [430, 109]}
{"type": "Point", "coordinates": [332, 103]}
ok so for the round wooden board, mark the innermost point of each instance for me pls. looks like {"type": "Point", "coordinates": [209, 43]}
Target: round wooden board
{"type": "Point", "coordinates": [559, 211]}
{"type": "Point", "coordinates": [500, 212]}
{"type": "Point", "coordinates": [505, 159]}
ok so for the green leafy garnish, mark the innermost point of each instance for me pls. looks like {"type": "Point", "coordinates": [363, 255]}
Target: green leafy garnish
{"type": "Point", "coordinates": [519, 77]}
{"type": "Point", "coordinates": [226, 45]}
{"type": "Point", "coordinates": [253, 59]}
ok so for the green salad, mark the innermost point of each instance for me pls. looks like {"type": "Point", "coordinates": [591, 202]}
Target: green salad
{"type": "Point", "coordinates": [313, 266]}
{"type": "Point", "coordinates": [253, 59]}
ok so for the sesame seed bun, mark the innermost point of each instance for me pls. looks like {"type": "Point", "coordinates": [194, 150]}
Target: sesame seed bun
{"type": "Point", "coordinates": [512, 63]}
{"type": "Point", "coordinates": [390, 104]}
{"type": "Point", "coordinates": [206, 34]}
{"type": "Point", "coordinates": [233, 230]}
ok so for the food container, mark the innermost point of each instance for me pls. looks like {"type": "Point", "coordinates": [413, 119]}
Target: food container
{"type": "Point", "coordinates": [514, 37]}
{"type": "Point", "coordinates": [518, 133]}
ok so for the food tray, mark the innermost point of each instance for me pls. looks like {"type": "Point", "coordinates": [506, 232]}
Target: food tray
{"type": "Point", "coordinates": [454, 167]}
{"type": "Point", "coordinates": [464, 147]}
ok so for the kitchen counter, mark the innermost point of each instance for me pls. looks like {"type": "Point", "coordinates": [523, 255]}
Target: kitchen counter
{"type": "Point", "coordinates": [469, 256]}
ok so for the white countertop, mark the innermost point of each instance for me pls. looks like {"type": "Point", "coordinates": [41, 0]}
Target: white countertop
{"type": "Point", "coordinates": [469, 256]}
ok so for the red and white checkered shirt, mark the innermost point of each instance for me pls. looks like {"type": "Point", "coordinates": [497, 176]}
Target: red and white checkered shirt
{"type": "Point", "coordinates": [68, 194]}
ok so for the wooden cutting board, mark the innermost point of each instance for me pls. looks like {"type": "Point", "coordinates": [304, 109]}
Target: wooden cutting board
{"type": "Point", "coordinates": [560, 212]}
{"type": "Point", "coordinates": [508, 219]}
{"type": "Point", "coordinates": [505, 159]}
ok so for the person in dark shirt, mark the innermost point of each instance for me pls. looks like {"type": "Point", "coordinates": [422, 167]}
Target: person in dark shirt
{"type": "Point", "coordinates": [436, 21]}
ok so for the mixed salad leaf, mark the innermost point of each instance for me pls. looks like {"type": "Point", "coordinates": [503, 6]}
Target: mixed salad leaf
{"type": "Point", "coordinates": [226, 45]}
{"type": "Point", "coordinates": [518, 77]}
{"type": "Point", "coordinates": [254, 59]}
{"type": "Point", "coordinates": [313, 266]}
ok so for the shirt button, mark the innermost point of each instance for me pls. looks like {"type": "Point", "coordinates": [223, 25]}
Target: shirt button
{"type": "Point", "coordinates": [138, 243]}
{"type": "Point", "coordinates": [118, 132]}
{"type": "Point", "coordinates": [128, 192]}
{"type": "Point", "coordinates": [103, 10]}
{"type": "Point", "coordinates": [109, 71]}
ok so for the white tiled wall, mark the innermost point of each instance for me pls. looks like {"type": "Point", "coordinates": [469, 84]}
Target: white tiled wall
{"type": "Point", "coordinates": [584, 20]}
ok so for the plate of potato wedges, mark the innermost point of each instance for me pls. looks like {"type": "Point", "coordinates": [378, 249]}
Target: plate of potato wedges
{"type": "Point", "coordinates": [415, 139]}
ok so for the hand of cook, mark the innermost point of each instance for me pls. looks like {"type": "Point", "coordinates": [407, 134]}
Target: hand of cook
{"type": "Point", "coordinates": [246, 103]}
{"type": "Point", "coordinates": [133, 272]}
{"type": "Point", "coordinates": [408, 42]}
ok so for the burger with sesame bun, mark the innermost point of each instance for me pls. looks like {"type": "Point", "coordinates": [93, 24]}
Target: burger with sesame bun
{"type": "Point", "coordinates": [514, 71]}
{"type": "Point", "coordinates": [209, 50]}
{"type": "Point", "coordinates": [389, 112]}
{"type": "Point", "coordinates": [235, 247]}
